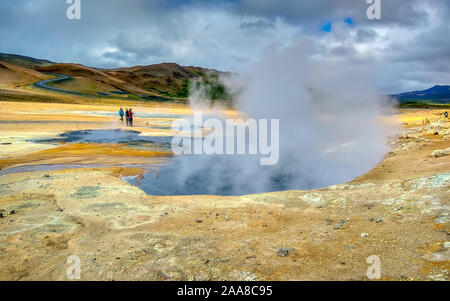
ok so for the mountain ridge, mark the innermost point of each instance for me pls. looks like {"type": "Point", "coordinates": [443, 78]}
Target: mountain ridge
{"type": "Point", "coordinates": [437, 94]}
{"type": "Point", "coordinates": [167, 80]}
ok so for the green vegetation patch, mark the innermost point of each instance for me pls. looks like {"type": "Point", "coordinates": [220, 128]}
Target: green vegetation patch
{"type": "Point", "coordinates": [422, 104]}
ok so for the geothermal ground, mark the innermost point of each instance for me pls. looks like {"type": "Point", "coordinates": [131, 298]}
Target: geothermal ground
{"type": "Point", "coordinates": [398, 211]}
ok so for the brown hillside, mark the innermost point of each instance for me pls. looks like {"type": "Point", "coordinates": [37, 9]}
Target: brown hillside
{"type": "Point", "coordinates": [165, 78]}
{"type": "Point", "coordinates": [12, 75]}
{"type": "Point", "coordinates": [24, 61]}
{"type": "Point", "coordinates": [96, 77]}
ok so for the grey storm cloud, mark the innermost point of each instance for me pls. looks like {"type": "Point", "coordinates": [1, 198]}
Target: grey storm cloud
{"type": "Point", "coordinates": [365, 35]}
{"type": "Point", "coordinates": [142, 46]}
{"type": "Point", "coordinates": [408, 48]}
{"type": "Point", "coordinates": [116, 55]}
{"type": "Point", "coordinates": [260, 24]}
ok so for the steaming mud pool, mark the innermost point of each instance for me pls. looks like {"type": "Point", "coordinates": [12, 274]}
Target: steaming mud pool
{"type": "Point", "coordinates": [186, 174]}
{"type": "Point", "coordinates": [116, 136]}
{"type": "Point", "coordinates": [165, 177]}
{"type": "Point", "coordinates": [214, 176]}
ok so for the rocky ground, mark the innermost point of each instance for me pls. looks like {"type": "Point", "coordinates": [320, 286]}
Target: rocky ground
{"type": "Point", "coordinates": [398, 211]}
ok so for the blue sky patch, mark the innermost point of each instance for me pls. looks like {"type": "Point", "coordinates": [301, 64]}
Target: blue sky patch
{"type": "Point", "coordinates": [349, 21]}
{"type": "Point", "coordinates": [326, 27]}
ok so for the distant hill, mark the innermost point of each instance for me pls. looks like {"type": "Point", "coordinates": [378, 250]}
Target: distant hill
{"type": "Point", "coordinates": [89, 80]}
{"type": "Point", "coordinates": [23, 61]}
{"type": "Point", "coordinates": [12, 75]}
{"type": "Point", "coordinates": [436, 94]}
{"type": "Point", "coordinates": [165, 80]}
{"type": "Point", "coordinates": [168, 79]}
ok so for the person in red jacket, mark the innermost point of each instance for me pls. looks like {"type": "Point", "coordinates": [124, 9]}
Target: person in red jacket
{"type": "Point", "coordinates": [130, 117]}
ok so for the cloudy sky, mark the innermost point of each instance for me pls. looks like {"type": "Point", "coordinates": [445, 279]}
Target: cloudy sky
{"type": "Point", "coordinates": [408, 48]}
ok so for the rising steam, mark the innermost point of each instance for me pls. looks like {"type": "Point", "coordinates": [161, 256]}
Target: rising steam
{"type": "Point", "coordinates": [330, 130]}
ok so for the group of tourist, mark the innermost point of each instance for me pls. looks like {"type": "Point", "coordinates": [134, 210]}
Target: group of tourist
{"type": "Point", "coordinates": [128, 116]}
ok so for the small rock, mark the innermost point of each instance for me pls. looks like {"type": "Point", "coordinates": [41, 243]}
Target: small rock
{"type": "Point", "coordinates": [378, 220]}
{"type": "Point", "coordinates": [282, 252]}
{"type": "Point", "coordinates": [441, 152]}
{"type": "Point", "coordinates": [364, 234]}
{"type": "Point", "coordinates": [339, 225]}
{"type": "Point", "coordinates": [435, 257]}
{"type": "Point", "coordinates": [442, 218]}
{"type": "Point", "coordinates": [12, 212]}
{"type": "Point", "coordinates": [329, 221]}
{"type": "Point", "coordinates": [371, 219]}
{"type": "Point", "coordinates": [437, 277]}
{"type": "Point", "coordinates": [1, 215]}
{"type": "Point", "coordinates": [46, 176]}
{"type": "Point", "coordinates": [198, 221]}
{"type": "Point", "coordinates": [264, 225]}
{"type": "Point", "coordinates": [227, 217]}
{"type": "Point", "coordinates": [350, 247]}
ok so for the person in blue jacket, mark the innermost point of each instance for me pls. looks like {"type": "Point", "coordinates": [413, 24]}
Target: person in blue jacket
{"type": "Point", "coordinates": [121, 114]}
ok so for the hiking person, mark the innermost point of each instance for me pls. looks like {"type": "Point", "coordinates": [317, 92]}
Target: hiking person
{"type": "Point", "coordinates": [130, 117]}
{"type": "Point", "coordinates": [127, 116]}
{"type": "Point", "coordinates": [121, 114]}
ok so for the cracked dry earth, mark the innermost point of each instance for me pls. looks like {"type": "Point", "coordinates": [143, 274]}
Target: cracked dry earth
{"type": "Point", "coordinates": [398, 211]}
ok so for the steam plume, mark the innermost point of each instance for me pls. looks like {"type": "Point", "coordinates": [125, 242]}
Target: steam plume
{"type": "Point", "coordinates": [330, 131]}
